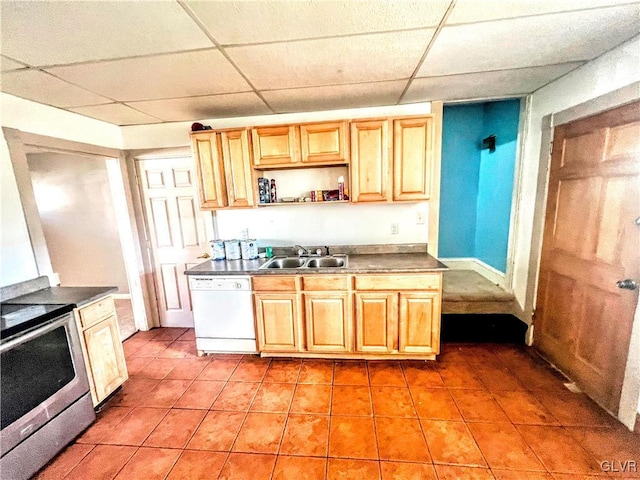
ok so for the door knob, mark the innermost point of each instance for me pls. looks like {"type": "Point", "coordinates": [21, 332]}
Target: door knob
{"type": "Point", "coordinates": [205, 255]}
{"type": "Point", "coordinates": [627, 284]}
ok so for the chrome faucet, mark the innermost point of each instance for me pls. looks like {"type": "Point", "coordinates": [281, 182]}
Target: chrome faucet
{"type": "Point", "coordinates": [305, 252]}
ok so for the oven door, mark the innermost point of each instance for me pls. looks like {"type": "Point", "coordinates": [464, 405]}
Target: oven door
{"type": "Point", "coordinates": [42, 373]}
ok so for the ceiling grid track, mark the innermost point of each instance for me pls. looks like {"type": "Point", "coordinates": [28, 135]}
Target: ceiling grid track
{"type": "Point", "coordinates": [221, 49]}
{"type": "Point", "coordinates": [426, 50]}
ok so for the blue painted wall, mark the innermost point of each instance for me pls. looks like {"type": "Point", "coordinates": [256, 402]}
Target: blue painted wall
{"type": "Point", "coordinates": [495, 185]}
{"type": "Point", "coordinates": [477, 186]}
{"type": "Point", "coordinates": [461, 135]}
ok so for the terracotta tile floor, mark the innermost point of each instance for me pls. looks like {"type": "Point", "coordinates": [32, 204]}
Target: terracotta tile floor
{"type": "Point", "coordinates": [479, 412]}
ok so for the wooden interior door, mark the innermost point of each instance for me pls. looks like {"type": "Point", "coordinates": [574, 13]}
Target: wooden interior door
{"type": "Point", "coordinates": [591, 241]}
{"type": "Point", "coordinates": [176, 230]}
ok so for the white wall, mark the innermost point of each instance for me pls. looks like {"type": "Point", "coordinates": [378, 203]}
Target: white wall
{"type": "Point", "coordinates": [17, 262]}
{"type": "Point", "coordinates": [302, 224]}
{"type": "Point", "coordinates": [611, 71]}
{"type": "Point", "coordinates": [326, 224]}
{"type": "Point", "coordinates": [78, 218]}
{"type": "Point", "coordinates": [32, 117]}
{"type": "Point", "coordinates": [177, 133]}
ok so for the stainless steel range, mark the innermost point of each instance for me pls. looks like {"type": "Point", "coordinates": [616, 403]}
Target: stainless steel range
{"type": "Point", "coordinates": [45, 401]}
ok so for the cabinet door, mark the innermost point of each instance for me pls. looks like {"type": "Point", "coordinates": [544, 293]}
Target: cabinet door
{"type": "Point", "coordinates": [376, 322]}
{"type": "Point", "coordinates": [105, 357]}
{"type": "Point", "coordinates": [275, 146]}
{"type": "Point", "coordinates": [328, 319]}
{"type": "Point", "coordinates": [277, 322]}
{"type": "Point", "coordinates": [208, 157]}
{"type": "Point", "coordinates": [370, 180]}
{"type": "Point", "coordinates": [324, 143]}
{"type": "Point", "coordinates": [236, 156]}
{"type": "Point", "coordinates": [412, 158]}
{"type": "Point", "coordinates": [419, 322]}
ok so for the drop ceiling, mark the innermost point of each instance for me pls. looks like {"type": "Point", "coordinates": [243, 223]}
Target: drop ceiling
{"type": "Point", "coordinates": [137, 62]}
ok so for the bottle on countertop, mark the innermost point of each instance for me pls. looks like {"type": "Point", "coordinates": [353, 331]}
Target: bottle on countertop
{"type": "Point", "coordinates": [340, 187]}
{"type": "Point", "coordinates": [274, 195]}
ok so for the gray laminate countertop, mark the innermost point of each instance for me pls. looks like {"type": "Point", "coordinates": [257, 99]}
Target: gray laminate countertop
{"type": "Point", "coordinates": [77, 296]}
{"type": "Point", "coordinates": [358, 263]}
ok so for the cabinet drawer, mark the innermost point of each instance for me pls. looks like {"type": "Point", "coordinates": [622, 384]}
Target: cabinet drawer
{"type": "Point", "coordinates": [398, 282]}
{"type": "Point", "coordinates": [275, 283]}
{"type": "Point", "coordinates": [325, 282]}
{"type": "Point", "coordinates": [96, 311]}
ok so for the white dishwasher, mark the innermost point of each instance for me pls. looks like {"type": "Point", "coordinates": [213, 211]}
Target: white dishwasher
{"type": "Point", "coordinates": [223, 313]}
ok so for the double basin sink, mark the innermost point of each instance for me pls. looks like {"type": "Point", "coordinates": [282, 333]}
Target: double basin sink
{"type": "Point", "coordinates": [331, 261]}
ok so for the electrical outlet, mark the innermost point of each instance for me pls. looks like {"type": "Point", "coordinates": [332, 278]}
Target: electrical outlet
{"type": "Point", "coordinates": [419, 218]}
{"type": "Point", "coordinates": [394, 229]}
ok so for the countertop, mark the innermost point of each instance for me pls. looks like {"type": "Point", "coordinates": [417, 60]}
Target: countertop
{"type": "Point", "coordinates": [358, 263]}
{"type": "Point", "coordinates": [77, 296]}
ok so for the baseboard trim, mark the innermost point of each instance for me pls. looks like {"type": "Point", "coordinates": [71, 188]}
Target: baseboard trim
{"type": "Point", "coordinates": [121, 296]}
{"type": "Point", "coordinates": [478, 266]}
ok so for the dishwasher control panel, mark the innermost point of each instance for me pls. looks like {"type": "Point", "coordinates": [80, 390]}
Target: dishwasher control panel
{"type": "Point", "coordinates": [216, 283]}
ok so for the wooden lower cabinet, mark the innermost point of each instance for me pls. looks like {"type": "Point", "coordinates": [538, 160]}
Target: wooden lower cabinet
{"type": "Point", "coordinates": [419, 323]}
{"type": "Point", "coordinates": [277, 325]}
{"type": "Point", "coordinates": [376, 316]}
{"type": "Point", "coordinates": [327, 320]}
{"type": "Point", "coordinates": [102, 348]}
{"type": "Point", "coordinates": [346, 316]}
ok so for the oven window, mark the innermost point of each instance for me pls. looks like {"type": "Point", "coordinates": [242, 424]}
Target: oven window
{"type": "Point", "coordinates": [32, 372]}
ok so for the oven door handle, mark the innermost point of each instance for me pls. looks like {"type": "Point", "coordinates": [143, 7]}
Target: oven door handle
{"type": "Point", "coordinates": [37, 331]}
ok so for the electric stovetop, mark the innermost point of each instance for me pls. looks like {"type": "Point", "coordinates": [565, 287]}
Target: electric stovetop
{"type": "Point", "coordinates": [16, 319]}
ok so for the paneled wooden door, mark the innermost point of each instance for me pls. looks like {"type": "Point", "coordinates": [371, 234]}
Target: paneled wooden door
{"type": "Point", "coordinates": [591, 242]}
{"type": "Point", "coordinates": [176, 231]}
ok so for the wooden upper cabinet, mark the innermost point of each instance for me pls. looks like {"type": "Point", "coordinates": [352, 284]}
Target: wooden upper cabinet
{"type": "Point", "coordinates": [208, 155]}
{"type": "Point", "coordinates": [413, 144]}
{"type": "Point", "coordinates": [275, 146]}
{"type": "Point", "coordinates": [324, 142]}
{"type": "Point", "coordinates": [370, 179]}
{"type": "Point", "coordinates": [236, 156]}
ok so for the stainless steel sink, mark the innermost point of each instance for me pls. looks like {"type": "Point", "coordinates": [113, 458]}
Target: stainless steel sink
{"type": "Point", "coordinates": [323, 262]}
{"type": "Point", "coordinates": [287, 262]}
{"type": "Point", "coordinates": [296, 263]}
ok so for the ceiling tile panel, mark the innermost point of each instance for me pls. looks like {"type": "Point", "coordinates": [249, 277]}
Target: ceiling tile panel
{"type": "Point", "coordinates": [162, 76]}
{"type": "Point", "coordinates": [234, 22]}
{"type": "Point", "coordinates": [44, 88]}
{"type": "Point", "coordinates": [530, 41]}
{"type": "Point", "coordinates": [50, 33]}
{"type": "Point", "coordinates": [365, 58]}
{"type": "Point", "coordinates": [485, 84]}
{"type": "Point", "coordinates": [335, 97]}
{"type": "Point", "coordinates": [116, 113]}
{"type": "Point", "coordinates": [200, 108]}
{"type": "Point", "coordinates": [467, 11]}
{"type": "Point", "coordinates": [6, 64]}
